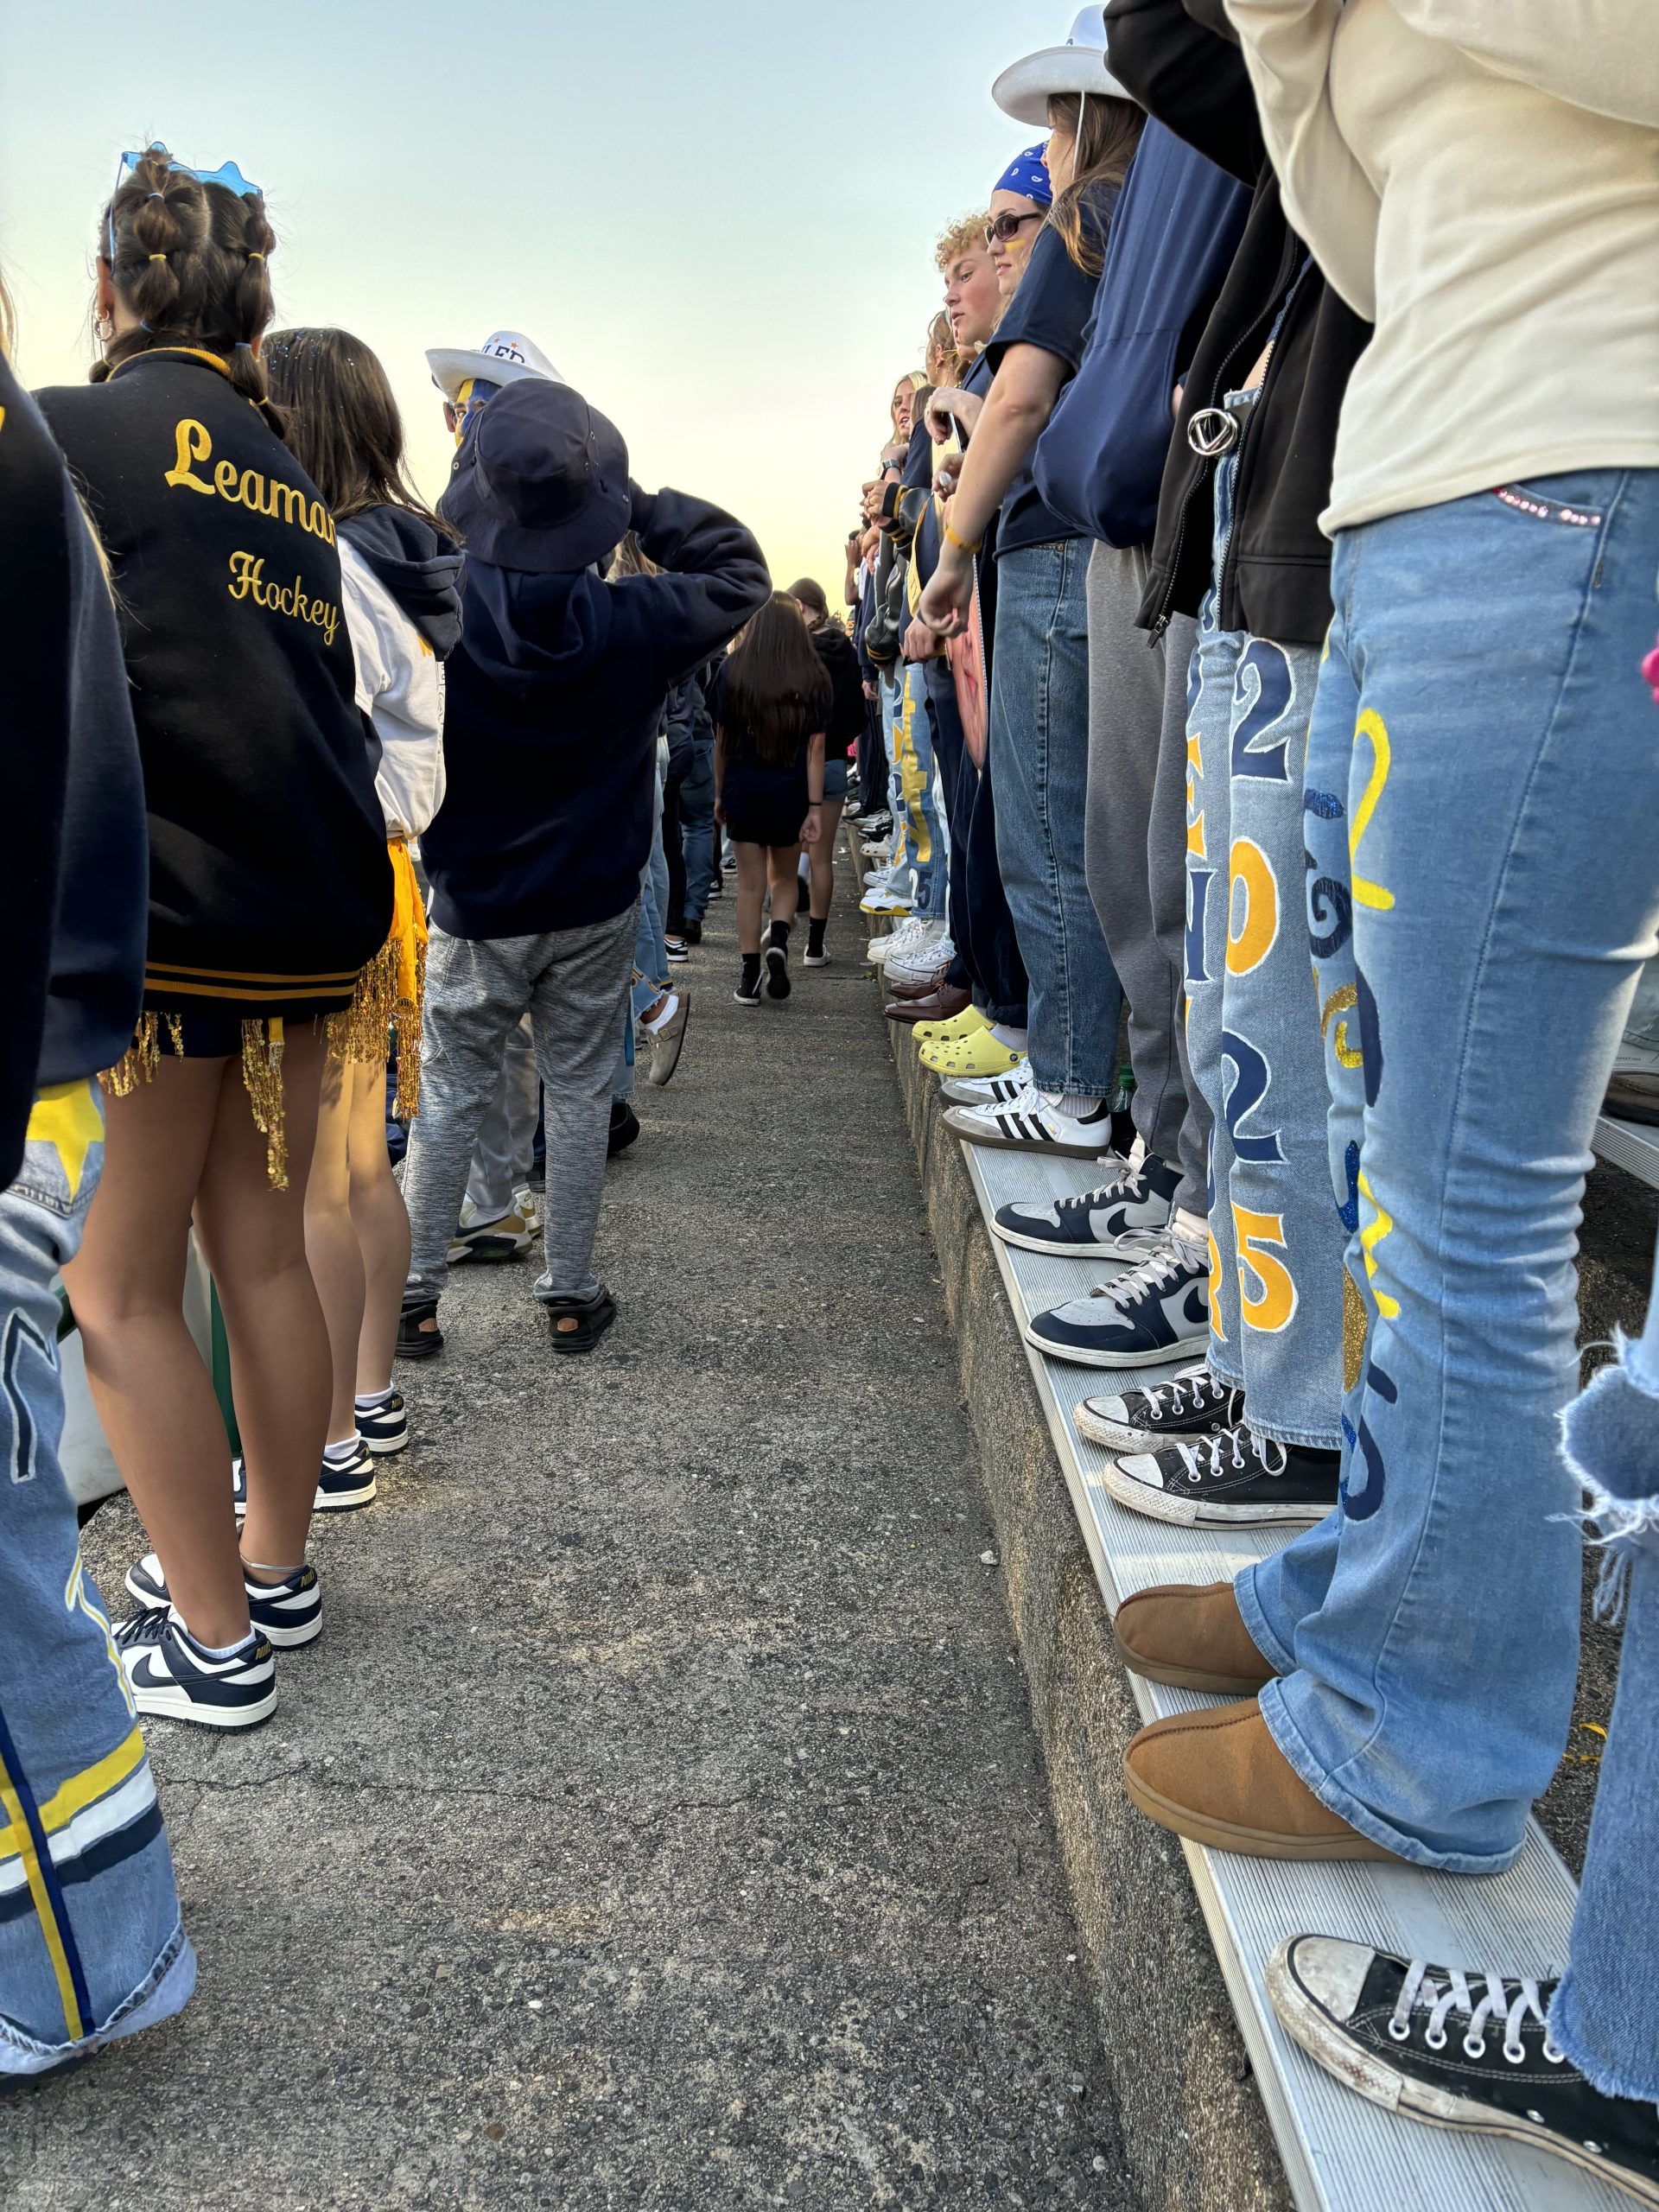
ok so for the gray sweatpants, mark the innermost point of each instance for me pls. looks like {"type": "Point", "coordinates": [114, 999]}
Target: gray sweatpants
{"type": "Point", "coordinates": [506, 1136]}
{"type": "Point", "coordinates": [1135, 850]}
{"type": "Point", "coordinates": [573, 983]}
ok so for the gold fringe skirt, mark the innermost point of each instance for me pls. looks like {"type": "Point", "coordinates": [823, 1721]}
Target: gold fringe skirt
{"type": "Point", "coordinates": [262, 1076]}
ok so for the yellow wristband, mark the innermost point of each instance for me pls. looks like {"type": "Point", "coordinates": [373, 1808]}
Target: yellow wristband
{"type": "Point", "coordinates": [961, 543]}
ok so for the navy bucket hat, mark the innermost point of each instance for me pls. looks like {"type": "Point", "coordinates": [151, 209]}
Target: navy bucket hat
{"type": "Point", "coordinates": [542, 482]}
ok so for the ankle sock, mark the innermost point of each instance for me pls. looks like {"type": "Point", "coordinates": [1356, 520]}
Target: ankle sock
{"type": "Point", "coordinates": [370, 1401]}
{"type": "Point", "coordinates": [1077, 1105]}
{"type": "Point", "coordinates": [669, 1002]}
{"type": "Point", "coordinates": [1190, 1232]}
{"type": "Point", "coordinates": [815, 929]}
{"type": "Point", "coordinates": [340, 1455]}
{"type": "Point", "coordinates": [210, 1650]}
{"type": "Point", "coordinates": [1010, 1038]}
{"type": "Point", "coordinates": [779, 935]}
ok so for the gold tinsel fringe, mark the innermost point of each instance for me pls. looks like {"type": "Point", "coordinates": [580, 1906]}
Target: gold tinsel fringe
{"type": "Point", "coordinates": [382, 1018]}
{"type": "Point", "coordinates": [261, 1073]}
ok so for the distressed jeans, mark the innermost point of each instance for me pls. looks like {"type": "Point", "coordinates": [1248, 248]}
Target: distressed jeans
{"type": "Point", "coordinates": [1039, 757]}
{"type": "Point", "coordinates": [92, 1947]}
{"type": "Point", "coordinates": [1481, 786]}
{"type": "Point", "coordinates": [1253, 1032]}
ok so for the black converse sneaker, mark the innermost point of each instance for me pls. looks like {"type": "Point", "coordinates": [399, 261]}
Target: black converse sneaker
{"type": "Point", "coordinates": [1233, 1479]}
{"type": "Point", "coordinates": [778, 985]}
{"type": "Point", "coordinates": [384, 1427]}
{"type": "Point", "coordinates": [168, 1672]}
{"type": "Point", "coordinates": [1459, 2049]}
{"type": "Point", "coordinates": [1160, 1309]}
{"type": "Point", "coordinates": [748, 983]}
{"type": "Point", "coordinates": [1195, 1404]}
{"type": "Point", "coordinates": [1125, 1219]}
{"type": "Point", "coordinates": [289, 1612]}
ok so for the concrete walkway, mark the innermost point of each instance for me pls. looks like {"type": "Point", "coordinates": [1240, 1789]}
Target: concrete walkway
{"type": "Point", "coordinates": [659, 1821]}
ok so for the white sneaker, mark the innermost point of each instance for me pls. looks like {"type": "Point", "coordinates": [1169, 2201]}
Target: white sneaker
{"type": "Point", "coordinates": [524, 1206]}
{"type": "Point", "coordinates": [898, 941]}
{"type": "Point", "coordinates": [1030, 1123]}
{"type": "Point", "coordinates": [987, 1089]}
{"type": "Point", "coordinates": [932, 953]}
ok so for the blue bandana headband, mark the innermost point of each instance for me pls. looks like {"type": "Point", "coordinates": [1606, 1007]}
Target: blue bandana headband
{"type": "Point", "coordinates": [1027, 174]}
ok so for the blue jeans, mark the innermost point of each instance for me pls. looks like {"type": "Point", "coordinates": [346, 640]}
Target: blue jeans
{"type": "Point", "coordinates": [696, 831]}
{"type": "Point", "coordinates": [92, 1947]}
{"type": "Point", "coordinates": [1253, 1035]}
{"type": "Point", "coordinates": [1039, 758]}
{"type": "Point", "coordinates": [650, 959]}
{"type": "Point", "coordinates": [920, 852]}
{"type": "Point", "coordinates": [1605, 2016]}
{"type": "Point", "coordinates": [1482, 785]}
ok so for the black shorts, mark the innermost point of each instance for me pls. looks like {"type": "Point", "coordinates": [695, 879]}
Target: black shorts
{"type": "Point", "coordinates": [764, 806]}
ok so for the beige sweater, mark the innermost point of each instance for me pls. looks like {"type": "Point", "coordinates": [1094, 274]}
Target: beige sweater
{"type": "Point", "coordinates": [1479, 178]}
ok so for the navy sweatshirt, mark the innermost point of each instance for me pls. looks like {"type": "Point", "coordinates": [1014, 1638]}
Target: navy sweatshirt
{"type": "Point", "coordinates": [554, 702]}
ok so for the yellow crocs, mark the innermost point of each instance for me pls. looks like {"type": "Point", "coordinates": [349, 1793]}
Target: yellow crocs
{"type": "Point", "coordinates": [979, 1053]}
{"type": "Point", "coordinates": [960, 1025]}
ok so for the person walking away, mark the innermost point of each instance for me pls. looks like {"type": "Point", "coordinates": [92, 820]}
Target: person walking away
{"type": "Point", "coordinates": [270, 891]}
{"type": "Point", "coordinates": [557, 688]}
{"type": "Point", "coordinates": [835, 649]}
{"type": "Point", "coordinates": [400, 569]}
{"type": "Point", "coordinates": [769, 780]}
{"type": "Point", "coordinates": [91, 1944]}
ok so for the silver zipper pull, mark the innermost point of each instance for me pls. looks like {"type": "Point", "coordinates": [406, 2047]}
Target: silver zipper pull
{"type": "Point", "coordinates": [1210, 431]}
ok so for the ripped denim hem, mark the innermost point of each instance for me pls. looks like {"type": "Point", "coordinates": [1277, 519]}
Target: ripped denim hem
{"type": "Point", "coordinates": [165, 1990]}
{"type": "Point", "coordinates": [1567, 2032]}
{"type": "Point", "coordinates": [1610, 1439]}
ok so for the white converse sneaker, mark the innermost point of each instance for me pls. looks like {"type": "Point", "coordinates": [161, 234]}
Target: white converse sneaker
{"type": "Point", "coordinates": [1030, 1123]}
{"type": "Point", "coordinates": [930, 955]}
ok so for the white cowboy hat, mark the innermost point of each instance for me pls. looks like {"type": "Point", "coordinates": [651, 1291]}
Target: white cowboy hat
{"type": "Point", "coordinates": [1026, 87]}
{"type": "Point", "coordinates": [504, 358]}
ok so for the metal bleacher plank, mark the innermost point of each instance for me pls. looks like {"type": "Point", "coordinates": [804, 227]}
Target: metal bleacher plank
{"type": "Point", "coordinates": [1629, 1145]}
{"type": "Point", "coordinates": [1341, 2154]}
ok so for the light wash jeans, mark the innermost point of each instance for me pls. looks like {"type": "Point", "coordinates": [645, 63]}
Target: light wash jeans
{"type": "Point", "coordinates": [920, 867]}
{"type": "Point", "coordinates": [92, 1947]}
{"type": "Point", "coordinates": [649, 972]}
{"type": "Point", "coordinates": [1039, 758]}
{"type": "Point", "coordinates": [1253, 1035]}
{"type": "Point", "coordinates": [1482, 785]}
{"type": "Point", "coordinates": [1605, 2016]}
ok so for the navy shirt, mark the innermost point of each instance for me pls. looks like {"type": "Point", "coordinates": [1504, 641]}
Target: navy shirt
{"type": "Point", "coordinates": [1050, 309]}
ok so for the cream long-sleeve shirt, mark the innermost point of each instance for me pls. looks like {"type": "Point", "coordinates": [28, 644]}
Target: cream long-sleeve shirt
{"type": "Point", "coordinates": [1480, 179]}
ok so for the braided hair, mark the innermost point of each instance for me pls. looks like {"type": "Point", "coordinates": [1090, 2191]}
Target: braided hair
{"type": "Point", "coordinates": [192, 262]}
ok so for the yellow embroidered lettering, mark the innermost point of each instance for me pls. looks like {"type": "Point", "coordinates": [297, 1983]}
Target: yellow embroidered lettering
{"type": "Point", "coordinates": [245, 569]}
{"type": "Point", "coordinates": [224, 479]}
{"type": "Point", "coordinates": [317, 521]}
{"type": "Point", "coordinates": [292, 501]}
{"type": "Point", "coordinates": [192, 443]}
{"type": "Point", "coordinates": [249, 491]}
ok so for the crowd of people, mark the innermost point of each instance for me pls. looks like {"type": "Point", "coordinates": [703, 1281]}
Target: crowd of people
{"type": "Point", "coordinates": [1270, 535]}
{"type": "Point", "coordinates": [1251, 598]}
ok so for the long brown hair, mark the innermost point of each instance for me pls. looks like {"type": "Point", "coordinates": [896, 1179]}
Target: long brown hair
{"type": "Point", "coordinates": [778, 691]}
{"type": "Point", "coordinates": [1105, 145]}
{"type": "Point", "coordinates": [192, 262]}
{"type": "Point", "coordinates": [343, 424]}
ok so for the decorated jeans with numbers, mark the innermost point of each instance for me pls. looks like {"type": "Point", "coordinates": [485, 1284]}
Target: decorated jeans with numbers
{"type": "Point", "coordinates": [1481, 790]}
{"type": "Point", "coordinates": [921, 846]}
{"type": "Point", "coordinates": [1253, 1030]}
{"type": "Point", "coordinates": [91, 1943]}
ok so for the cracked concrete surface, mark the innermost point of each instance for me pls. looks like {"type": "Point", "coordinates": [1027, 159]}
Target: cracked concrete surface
{"type": "Point", "coordinates": [659, 1821]}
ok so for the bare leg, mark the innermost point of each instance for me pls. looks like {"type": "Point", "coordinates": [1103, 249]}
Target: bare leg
{"type": "Point", "coordinates": [822, 858]}
{"type": "Point", "coordinates": [331, 1246]}
{"type": "Point", "coordinates": [782, 872]}
{"type": "Point", "coordinates": [254, 1240]}
{"type": "Point", "coordinates": [153, 1396]}
{"type": "Point", "coordinates": [381, 1225]}
{"type": "Point", "coordinates": [751, 891]}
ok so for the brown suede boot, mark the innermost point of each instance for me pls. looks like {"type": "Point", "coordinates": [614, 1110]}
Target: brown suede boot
{"type": "Point", "coordinates": [1218, 1779]}
{"type": "Point", "coordinates": [1190, 1635]}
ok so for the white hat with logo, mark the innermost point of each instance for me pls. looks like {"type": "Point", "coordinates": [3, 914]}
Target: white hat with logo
{"type": "Point", "coordinates": [506, 357]}
{"type": "Point", "coordinates": [1026, 87]}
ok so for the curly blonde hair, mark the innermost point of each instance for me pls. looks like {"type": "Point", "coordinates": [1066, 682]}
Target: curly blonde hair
{"type": "Point", "coordinates": [966, 235]}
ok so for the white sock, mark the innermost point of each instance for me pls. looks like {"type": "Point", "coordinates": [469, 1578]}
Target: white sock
{"type": "Point", "coordinates": [209, 1650]}
{"type": "Point", "coordinates": [340, 1455]}
{"type": "Point", "coordinates": [658, 1020]}
{"type": "Point", "coordinates": [370, 1401]}
{"type": "Point", "coordinates": [1010, 1038]}
{"type": "Point", "coordinates": [1192, 1232]}
{"type": "Point", "coordinates": [1079, 1105]}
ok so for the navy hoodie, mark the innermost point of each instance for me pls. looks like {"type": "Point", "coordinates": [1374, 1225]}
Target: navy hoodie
{"type": "Point", "coordinates": [1100, 460]}
{"type": "Point", "coordinates": [554, 702]}
{"type": "Point", "coordinates": [419, 568]}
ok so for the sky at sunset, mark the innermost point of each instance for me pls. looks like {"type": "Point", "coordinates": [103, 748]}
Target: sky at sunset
{"type": "Point", "coordinates": [717, 219]}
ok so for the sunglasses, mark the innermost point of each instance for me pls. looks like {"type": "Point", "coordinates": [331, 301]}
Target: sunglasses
{"type": "Point", "coordinates": [1001, 228]}
{"type": "Point", "coordinates": [227, 173]}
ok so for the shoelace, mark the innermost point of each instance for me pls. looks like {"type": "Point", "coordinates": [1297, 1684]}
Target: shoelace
{"type": "Point", "coordinates": [1172, 1398]}
{"type": "Point", "coordinates": [1420, 1992]}
{"type": "Point", "coordinates": [1160, 1270]}
{"type": "Point", "coordinates": [147, 1626]}
{"type": "Point", "coordinates": [1130, 1185]}
{"type": "Point", "coordinates": [1211, 1453]}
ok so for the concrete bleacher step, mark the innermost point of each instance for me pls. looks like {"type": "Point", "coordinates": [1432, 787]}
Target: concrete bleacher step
{"type": "Point", "coordinates": [1629, 1145]}
{"type": "Point", "coordinates": [1340, 2153]}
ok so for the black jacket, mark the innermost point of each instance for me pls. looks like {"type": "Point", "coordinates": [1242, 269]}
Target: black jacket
{"type": "Point", "coordinates": [834, 650]}
{"type": "Point", "coordinates": [269, 887]}
{"type": "Point", "coordinates": [1184, 67]}
{"type": "Point", "coordinates": [73, 865]}
{"type": "Point", "coordinates": [554, 702]}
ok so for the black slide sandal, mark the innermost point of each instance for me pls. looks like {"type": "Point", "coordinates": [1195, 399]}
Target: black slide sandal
{"type": "Point", "coordinates": [577, 1324]}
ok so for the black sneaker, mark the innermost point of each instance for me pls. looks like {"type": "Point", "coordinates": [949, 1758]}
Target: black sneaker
{"type": "Point", "coordinates": [167, 1672]}
{"type": "Point", "coordinates": [677, 947]}
{"type": "Point", "coordinates": [1459, 2049]}
{"type": "Point", "coordinates": [415, 1339]}
{"type": "Point", "coordinates": [748, 983]}
{"type": "Point", "coordinates": [1125, 1219]}
{"type": "Point", "coordinates": [1158, 1311]}
{"type": "Point", "coordinates": [1232, 1480]}
{"type": "Point", "coordinates": [383, 1428]}
{"type": "Point", "coordinates": [778, 985]}
{"type": "Point", "coordinates": [625, 1127]}
{"type": "Point", "coordinates": [693, 932]}
{"type": "Point", "coordinates": [289, 1612]}
{"type": "Point", "coordinates": [1194, 1404]}
{"type": "Point", "coordinates": [341, 1488]}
